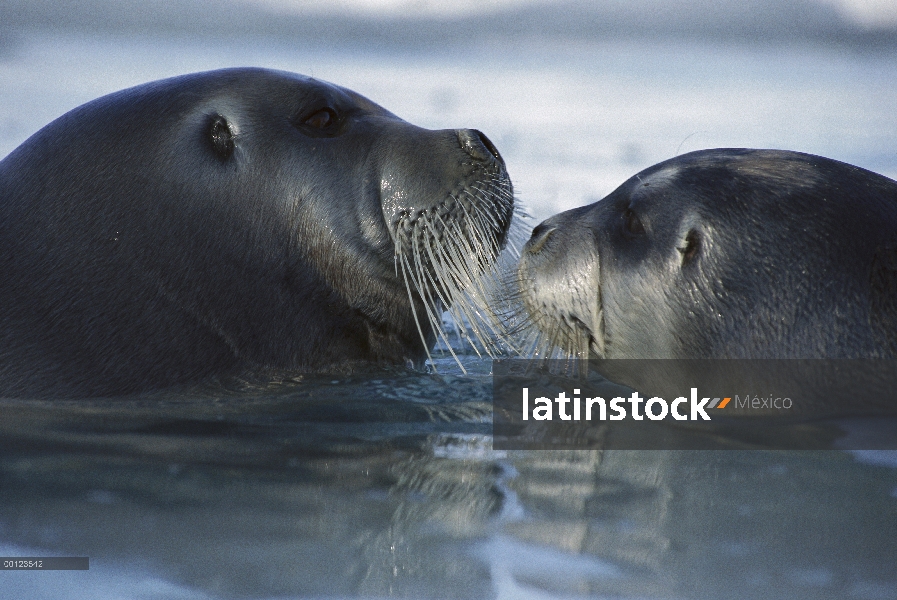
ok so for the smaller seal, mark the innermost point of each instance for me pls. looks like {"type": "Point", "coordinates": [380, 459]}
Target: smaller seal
{"type": "Point", "coordinates": [727, 253]}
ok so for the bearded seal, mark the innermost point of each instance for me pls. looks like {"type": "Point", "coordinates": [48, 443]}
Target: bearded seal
{"type": "Point", "coordinates": [234, 221]}
{"type": "Point", "coordinates": [726, 253]}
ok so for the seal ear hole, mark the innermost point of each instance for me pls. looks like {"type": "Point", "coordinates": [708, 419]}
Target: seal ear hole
{"type": "Point", "coordinates": [221, 137]}
{"type": "Point", "coordinates": [632, 223]}
{"type": "Point", "coordinates": [692, 247]}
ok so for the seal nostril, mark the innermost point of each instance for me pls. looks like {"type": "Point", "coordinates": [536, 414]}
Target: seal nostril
{"type": "Point", "coordinates": [489, 145]}
{"type": "Point", "coordinates": [477, 145]}
{"type": "Point", "coordinates": [539, 237]}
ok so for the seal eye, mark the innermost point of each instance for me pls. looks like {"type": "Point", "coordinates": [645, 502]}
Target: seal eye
{"type": "Point", "coordinates": [323, 122]}
{"type": "Point", "coordinates": [221, 137]}
{"type": "Point", "coordinates": [632, 223]}
{"type": "Point", "coordinates": [322, 119]}
{"type": "Point", "coordinates": [692, 246]}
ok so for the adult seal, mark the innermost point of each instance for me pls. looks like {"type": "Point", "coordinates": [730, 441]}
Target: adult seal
{"type": "Point", "coordinates": [236, 221]}
{"type": "Point", "coordinates": [728, 253]}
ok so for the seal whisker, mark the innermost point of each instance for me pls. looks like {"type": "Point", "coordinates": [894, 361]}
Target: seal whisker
{"type": "Point", "coordinates": [458, 306]}
{"type": "Point", "coordinates": [444, 285]}
{"type": "Point", "coordinates": [431, 305]}
{"type": "Point", "coordinates": [460, 258]}
{"type": "Point", "coordinates": [463, 317]}
{"type": "Point", "coordinates": [423, 339]}
{"type": "Point", "coordinates": [477, 287]}
{"type": "Point", "coordinates": [455, 256]}
{"type": "Point", "coordinates": [438, 284]}
{"type": "Point", "coordinates": [482, 213]}
{"type": "Point", "coordinates": [468, 318]}
{"type": "Point", "coordinates": [490, 228]}
{"type": "Point", "coordinates": [479, 233]}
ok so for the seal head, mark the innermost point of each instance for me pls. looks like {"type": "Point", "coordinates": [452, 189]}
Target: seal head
{"type": "Point", "coordinates": [235, 221]}
{"type": "Point", "coordinates": [728, 253]}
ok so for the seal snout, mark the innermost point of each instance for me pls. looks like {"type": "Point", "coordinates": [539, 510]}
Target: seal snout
{"type": "Point", "coordinates": [478, 146]}
{"type": "Point", "coordinates": [559, 290]}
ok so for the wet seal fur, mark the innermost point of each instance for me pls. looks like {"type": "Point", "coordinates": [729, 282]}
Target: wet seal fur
{"type": "Point", "coordinates": [236, 221]}
{"type": "Point", "coordinates": [727, 253]}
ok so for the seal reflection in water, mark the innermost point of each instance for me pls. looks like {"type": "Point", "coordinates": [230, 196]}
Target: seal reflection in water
{"type": "Point", "coordinates": [728, 253]}
{"type": "Point", "coordinates": [237, 221]}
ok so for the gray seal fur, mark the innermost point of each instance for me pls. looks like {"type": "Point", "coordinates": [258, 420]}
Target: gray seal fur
{"type": "Point", "coordinates": [230, 222]}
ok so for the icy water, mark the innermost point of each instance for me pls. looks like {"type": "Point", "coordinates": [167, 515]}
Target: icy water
{"type": "Point", "coordinates": [385, 484]}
